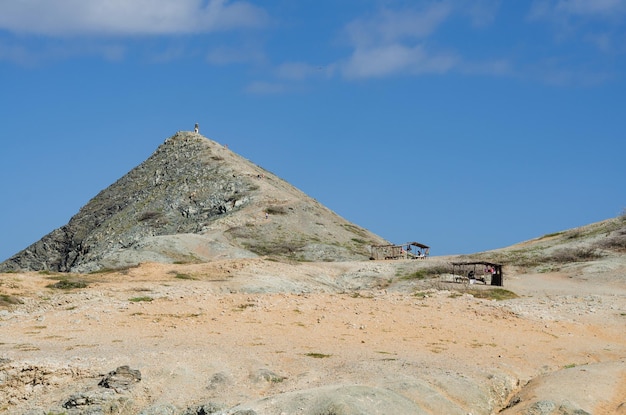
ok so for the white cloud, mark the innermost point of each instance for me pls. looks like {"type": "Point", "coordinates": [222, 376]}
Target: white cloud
{"type": "Point", "coordinates": [394, 59]}
{"type": "Point", "coordinates": [393, 41]}
{"type": "Point", "coordinates": [555, 72]}
{"type": "Point", "coordinates": [389, 26]}
{"type": "Point", "coordinates": [126, 17]}
{"type": "Point", "coordinates": [596, 22]}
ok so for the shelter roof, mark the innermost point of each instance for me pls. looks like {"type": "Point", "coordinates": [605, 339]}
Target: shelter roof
{"type": "Point", "coordinates": [477, 263]}
{"type": "Point", "coordinates": [417, 244]}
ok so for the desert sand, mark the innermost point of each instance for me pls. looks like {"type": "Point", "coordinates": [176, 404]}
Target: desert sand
{"type": "Point", "coordinates": [316, 338]}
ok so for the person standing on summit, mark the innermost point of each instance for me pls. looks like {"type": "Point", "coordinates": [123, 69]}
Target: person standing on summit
{"type": "Point", "coordinates": [196, 128]}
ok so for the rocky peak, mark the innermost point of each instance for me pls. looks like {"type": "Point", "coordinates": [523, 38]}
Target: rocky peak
{"type": "Point", "coordinates": [193, 200]}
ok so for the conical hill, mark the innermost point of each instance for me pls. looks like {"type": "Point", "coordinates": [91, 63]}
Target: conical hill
{"type": "Point", "coordinates": [194, 200]}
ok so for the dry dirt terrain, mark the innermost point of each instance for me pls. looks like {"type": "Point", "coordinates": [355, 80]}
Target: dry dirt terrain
{"type": "Point", "coordinates": [257, 336]}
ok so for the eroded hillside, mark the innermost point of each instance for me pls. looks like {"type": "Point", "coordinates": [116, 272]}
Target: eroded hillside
{"type": "Point", "coordinates": [194, 200]}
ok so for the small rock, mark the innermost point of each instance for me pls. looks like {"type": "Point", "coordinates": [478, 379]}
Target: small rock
{"type": "Point", "coordinates": [120, 379]}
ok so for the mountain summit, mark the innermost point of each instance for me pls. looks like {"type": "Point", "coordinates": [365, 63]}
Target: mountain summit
{"type": "Point", "coordinates": [194, 200]}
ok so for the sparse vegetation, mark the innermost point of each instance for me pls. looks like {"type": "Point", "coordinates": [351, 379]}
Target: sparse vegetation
{"type": "Point", "coordinates": [110, 270]}
{"type": "Point", "coordinates": [615, 241]}
{"type": "Point", "coordinates": [140, 299]}
{"type": "Point", "coordinates": [68, 283]}
{"type": "Point", "coordinates": [317, 355]}
{"type": "Point", "coordinates": [150, 215]}
{"type": "Point", "coordinates": [278, 248]}
{"type": "Point", "coordinates": [7, 300]}
{"type": "Point", "coordinates": [182, 276]}
{"type": "Point", "coordinates": [551, 235]}
{"type": "Point", "coordinates": [497, 294]}
{"type": "Point", "coordinates": [424, 273]}
{"type": "Point", "coordinates": [275, 210]}
{"type": "Point", "coordinates": [354, 229]}
{"type": "Point", "coordinates": [564, 256]}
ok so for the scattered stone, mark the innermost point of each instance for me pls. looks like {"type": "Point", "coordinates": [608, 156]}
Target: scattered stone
{"type": "Point", "coordinates": [121, 379]}
{"type": "Point", "coordinates": [94, 403]}
{"type": "Point", "coordinates": [267, 376]}
{"type": "Point", "coordinates": [160, 409]}
{"type": "Point", "coordinates": [204, 409]}
{"type": "Point", "coordinates": [218, 379]}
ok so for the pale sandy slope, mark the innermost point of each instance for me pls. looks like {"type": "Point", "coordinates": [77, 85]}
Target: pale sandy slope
{"type": "Point", "coordinates": [317, 337]}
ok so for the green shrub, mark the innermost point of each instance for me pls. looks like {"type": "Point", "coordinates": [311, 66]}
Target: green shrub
{"type": "Point", "coordinates": [182, 276]}
{"type": "Point", "coordinates": [318, 355]}
{"type": "Point", "coordinates": [140, 299]}
{"type": "Point", "coordinates": [497, 294]}
{"type": "Point", "coordinates": [69, 283]}
{"type": "Point", "coordinates": [428, 272]}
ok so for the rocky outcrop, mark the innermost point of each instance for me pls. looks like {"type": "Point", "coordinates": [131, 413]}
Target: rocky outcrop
{"type": "Point", "coordinates": [122, 378]}
{"type": "Point", "coordinates": [190, 186]}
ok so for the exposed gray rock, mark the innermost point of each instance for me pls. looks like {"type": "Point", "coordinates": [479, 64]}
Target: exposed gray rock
{"type": "Point", "coordinates": [204, 409]}
{"type": "Point", "coordinates": [94, 403]}
{"type": "Point", "coordinates": [160, 409]}
{"type": "Point", "coordinates": [121, 379]}
{"type": "Point", "coordinates": [194, 186]}
{"type": "Point", "coordinates": [333, 400]}
{"type": "Point", "coordinates": [266, 375]}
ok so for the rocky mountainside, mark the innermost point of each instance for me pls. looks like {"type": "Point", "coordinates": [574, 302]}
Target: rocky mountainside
{"type": "Point", "coordinates": [194, 200]}
{"type": "Point", "coordinates": [257, 336]}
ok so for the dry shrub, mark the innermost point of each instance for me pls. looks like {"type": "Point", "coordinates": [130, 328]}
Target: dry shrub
{"type": "Point", "coordinates": [8, 300]}
{"type": "Point", "coordinates": [69, 284]}
{"type": "Point", "coordinates": [564, 256]}
{"type": "Point", "coordinates": [150, 215]}
{"type": "Point", "coordinates": [615, 241]}
{"type": "Point", "coordinates": [275, 210]}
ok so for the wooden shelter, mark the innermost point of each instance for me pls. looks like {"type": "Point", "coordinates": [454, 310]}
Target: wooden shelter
{"type": "Point", "coordinates": [478, 271]}
{"type": "Point", "coordinates": [409, 250]}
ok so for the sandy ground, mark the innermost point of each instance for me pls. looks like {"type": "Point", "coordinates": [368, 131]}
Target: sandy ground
{"type": "Point", "coordinates": [235, 332]}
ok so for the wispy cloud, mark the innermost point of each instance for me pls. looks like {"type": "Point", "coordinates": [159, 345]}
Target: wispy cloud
{"type": "Point", "coordinates": [481, 12]}
{"type": "Point", "coordinates": [599, 23]}
{"type": "Point", "coordinates": [31, 54]}
{"type": "Point", "coordinates": [391, 26]}
{"type": "Point", "coordinates": [579, 8]}
{"type": "Point", "coordinates": [393, 59]}
{"type": "Point", "coordinates": [391, 42]}
{"type": "Point", "coordinates": [124, 17]}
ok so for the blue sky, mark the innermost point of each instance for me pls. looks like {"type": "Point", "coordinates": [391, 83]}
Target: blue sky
{"type": "Point", "coordinates": [465, 125]}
